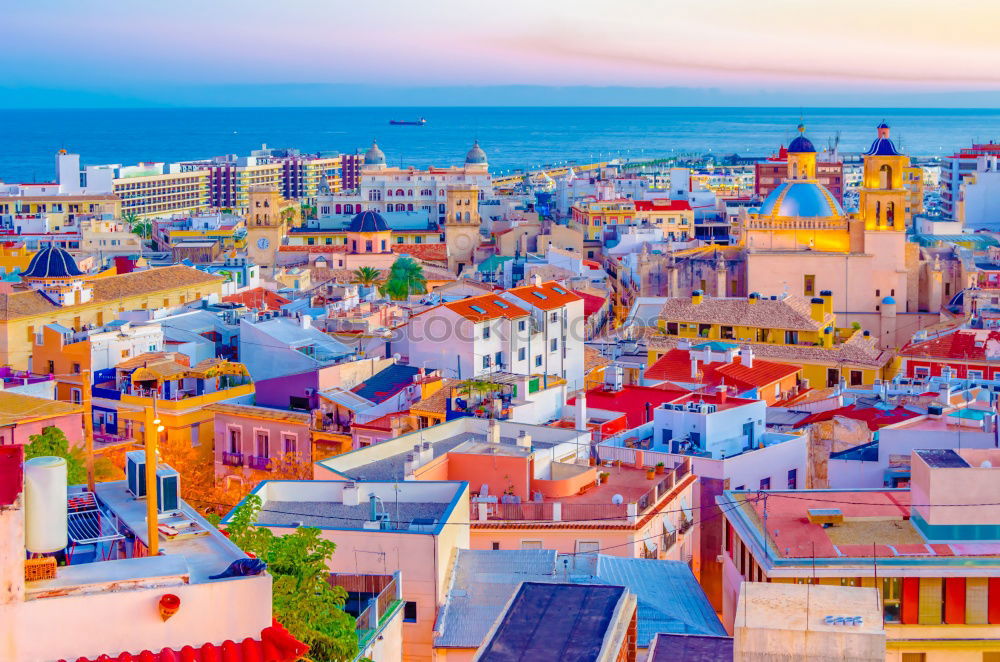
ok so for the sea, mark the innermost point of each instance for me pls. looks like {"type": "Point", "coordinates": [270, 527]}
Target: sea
{"type": "Point", "coordinates": [513, 138]}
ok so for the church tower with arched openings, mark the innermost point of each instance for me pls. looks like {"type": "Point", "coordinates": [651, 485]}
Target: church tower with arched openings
{"type": "Point", "coordinates": [801, 157]}
{"type": "Point", "coordinates": [883, 196]}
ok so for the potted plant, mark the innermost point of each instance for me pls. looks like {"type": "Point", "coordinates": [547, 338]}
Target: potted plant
{"type": "Point", "coordinates": [603, 477]}
{"type": "Point", "coordinates": [660, 468]}
{"type": "Point", "coordinates": [650, 473]}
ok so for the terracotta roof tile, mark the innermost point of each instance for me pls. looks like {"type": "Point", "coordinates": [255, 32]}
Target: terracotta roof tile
{"type": "Point", "coordinates": [266, 413]}
{"type": "Point", "coordinates": [964, 344]}
{"type": "Point", "coordinates": [489, 307]}
{"type": "Point", "coordinates": [150, 281]}
{"type": "Point", "coordinates": [16, 408]}
{"type": "Point", "coordinates": [791, 312]}
{"type": "Point", "coordinates": [857, 350]}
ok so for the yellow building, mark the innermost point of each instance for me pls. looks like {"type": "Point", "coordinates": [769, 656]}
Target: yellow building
{"type": "Point", "coordinates": [674, 217]}
{"type": "Point", "coordinates": [90, 300]}
{"type": "Point", "coordinates": [249, 178]}
{"type": "Point", "coordinates": [786, 329]}
{"type": "Point", "coordinates": [14, 257]}
{"type": "Point", "coordinates": [591, 215]}
{"type": "Point", "coordinates": [163, 194]}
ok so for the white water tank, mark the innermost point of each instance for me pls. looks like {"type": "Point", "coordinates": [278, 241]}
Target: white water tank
{"type": "Point", "coordinates": [45, 527]}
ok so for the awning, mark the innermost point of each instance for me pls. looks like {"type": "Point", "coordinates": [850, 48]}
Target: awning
{"type": "Point", "coordinates": [668, 526]}
{"type": "Point", "coordinates": [346, 399]}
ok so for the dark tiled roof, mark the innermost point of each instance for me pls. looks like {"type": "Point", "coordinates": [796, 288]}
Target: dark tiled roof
{"type": "Point", "coordinates": [385, 384]}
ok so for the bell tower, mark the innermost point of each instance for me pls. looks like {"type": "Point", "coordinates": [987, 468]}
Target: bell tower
{"type": "Point", "coordinates": [882, 194]}
{"type": "Point", "coordinates": [801, 157]}
{"type": "Point", "coordinates": [461, 227]}
{"type": "Point", "coordinates": [267, 224]}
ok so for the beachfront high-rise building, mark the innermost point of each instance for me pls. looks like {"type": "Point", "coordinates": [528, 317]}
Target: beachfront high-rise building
{"type": "Point", "coordinates": [959, 167]}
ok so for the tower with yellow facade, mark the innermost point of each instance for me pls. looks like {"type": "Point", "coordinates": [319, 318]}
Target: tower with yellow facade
{"type": "Point", "coordinates": [461, 227]}
{"type": "Point", "coordinates": [268, 221]}
{"type": "Point", "coordinates": [883, 195]}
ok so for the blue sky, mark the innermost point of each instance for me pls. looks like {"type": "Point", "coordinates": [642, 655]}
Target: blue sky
{"type": "Point", "coordinates": [106, 52]}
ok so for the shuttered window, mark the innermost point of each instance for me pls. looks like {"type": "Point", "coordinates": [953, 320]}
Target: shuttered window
{"type": "Point", "coordinates": [930, 601]}
{"type": "Point", "coordinates": [911, 600]}
{"type": "Point", "coordinates": [993, 608]}
{"type": "Point", "coordinates": [976, 591]}
{"type": "Point", "coordinates": [954, 600]}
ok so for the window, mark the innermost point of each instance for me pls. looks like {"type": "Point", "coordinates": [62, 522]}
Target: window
{"type": "Point", "coordinates": [765, 483]}
{"type": "Point", "coordinates": [856, 378]}
{"type": "Point", "coordinates": [234, 440]}
{"type": "Point", "coordinates": [672, 328]}
{"type": "Point", "coordinates": [975, 374]}
{"type": "Point", "coordinates": [809, 285]}
{"type": "Point", "coordinates": [76, 396]}
{"type": "Point", "coordinates": [554, 317]}
{"type": "Point", "coordinates": [486, 333]}
{"type": "Point", "coordinates": [76, 368]}
{"type": "Point", "coordinates": [727, 333]}
{"type": "Point", "coordinates": [793, 478]}
{"type": "Point", "coordinates": [498, 358]}
{"type": "Point", "coordinates": [521, 353]}
{"type": "Point", "coordinates": [486, 361]}
{"type": "Point", "coordinates": [288, 444]}
{"type": "Point", "coordinates": [922, 372]}
{"type": "Point", "coordinates": [554, 344]}
{"type": "Point", "coordinates": [891, 589]}
{"type": "Point", "coordinates": [521, 325]}
{"type": "Point", "coordinates": [495, 545]}
{"type": "Point", "coordinates": [791, 337]}
{"type": "Point", "coordinates": [587, 547]}
{"type": "Point", "coordinates": [914, 657]}
{"type": "Point", "coordinates": [410, 612]}
{"type": "Point", "coordinates": [538, 361]}
{"type": "Point", "coordinates": [263, 449]}
{"type": "Point", "coordinates": [531, 544]}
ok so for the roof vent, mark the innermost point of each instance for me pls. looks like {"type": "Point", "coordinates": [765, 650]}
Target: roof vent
{"type": "Point", "coordinates": [826, 516]}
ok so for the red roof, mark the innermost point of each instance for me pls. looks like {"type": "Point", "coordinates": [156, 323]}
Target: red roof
{"type": "Point", "coordinates": [275, 645]}
{"type": "Point", "coordinates": [258, 298]}
{"type": "Point", "coordinates": [874, 417]}
{"type": "Point", "coordinates": [662, 205]}
{"type": "Point", "coordinates": [431, 252]}
{"type": "Point", "coordinates": [964, 344]}
{"type": "Point", "coordinates": [675, 365]}
{"type": "Point", "coordinates": [591, 303]}
{"type": "Point", "coordinates": [546, 296]}
{"type": "Point", "coordinates": [632, 401]}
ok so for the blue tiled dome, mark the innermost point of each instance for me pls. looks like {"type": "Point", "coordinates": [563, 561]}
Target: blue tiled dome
{"type": "Point", "coordinates": [801, 143]}
{"type": "Point", "coordinates": [52, 262]}
{"type": "Point", "coordinates": [882, 147]}
{"type": "Point", "coordinates": [368, 221]}
{"type": "Point", "coordinates": [798, 199]}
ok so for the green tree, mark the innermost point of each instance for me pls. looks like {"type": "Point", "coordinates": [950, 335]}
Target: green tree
{"type": "Point", "coordinates": [406, 277]}
{"type": "Point", "coordinates": [367, 276]}
{"type": "Point", "coordinates": [52, 442]}
{"type": "Point", "coordinates": [142, 228]}
{"type": "Point", "coordinates": [304, 602]}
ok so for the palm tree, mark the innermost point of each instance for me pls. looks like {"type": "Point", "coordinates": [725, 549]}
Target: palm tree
{"type": "Point", "coordinates": [367, 276]}
{"type": "Point", "coordinates": [406, 277]}
{"type": "Point", "coordinates": [140, 227]}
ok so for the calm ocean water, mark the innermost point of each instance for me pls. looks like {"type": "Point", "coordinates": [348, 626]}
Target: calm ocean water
{"type": "Point", "coordinates": [512, 137]}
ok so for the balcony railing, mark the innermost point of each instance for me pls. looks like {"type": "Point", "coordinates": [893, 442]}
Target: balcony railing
{"type": "Point", "coordinates": [232, 459]}
{"type": "Point", "coordinates": [259, 462]}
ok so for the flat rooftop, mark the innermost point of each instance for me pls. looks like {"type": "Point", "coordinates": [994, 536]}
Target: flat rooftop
{"type": "Point", "coordinates": [412, 506]}
{"type": "Point", "coordinates": [876, 522]}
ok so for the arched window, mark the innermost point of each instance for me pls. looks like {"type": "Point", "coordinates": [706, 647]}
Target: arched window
{"type": "Point", "coordinates": [339, 207]}
{"type": "Point", "coordinates": [441, 192]}
{"type": "Point", "coordinates": [388, 193]}
{"type": "Point", "coordinates": [467, 216]}
{"type": "Point", "coordinates": [409, 207]}
{"type": "Point", "coordinates": [399, 193]}
{"type": "Point", "coordinates": [349, 209]}
{"type": "Point", "coordinates": [890, 213]}
{"type": "Point", "coordinates": [458, 216]}
{"type": "Point", "coordinates": [885, 177]}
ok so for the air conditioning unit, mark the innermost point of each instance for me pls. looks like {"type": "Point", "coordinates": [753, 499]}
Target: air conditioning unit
{"type": "Point", "coordinates": [309, 392]}
{"type": "Point", "coordinates": [168, 489]}
{"type": "Point", "coordinates": [135, 473]}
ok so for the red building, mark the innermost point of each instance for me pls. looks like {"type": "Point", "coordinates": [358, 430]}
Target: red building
{"type": "Point", "coordinates": [770, 173]}
{"type": "Point", "coordinates": [964, 354]}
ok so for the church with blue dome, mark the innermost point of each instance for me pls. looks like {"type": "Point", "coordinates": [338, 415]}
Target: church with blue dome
{"type": "Point", "coordinates": [53, 272]}
{"type": "Point", "coordinates": [801, 239]}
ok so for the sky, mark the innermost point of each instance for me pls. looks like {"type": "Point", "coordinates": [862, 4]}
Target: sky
{"type": "Point", "coordinates": [255, 52]}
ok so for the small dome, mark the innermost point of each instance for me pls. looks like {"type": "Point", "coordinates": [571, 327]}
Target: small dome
{"type": "Point", "coordinates": [368, 221]}
{"type": "Point", "coordinates": [801, 143]}
{"type": "Point", "coordinates": [52, 262]}
{"type": "Point", "coordinates": [374, 156]}
{"type": "Point", "coordinates": [883, 125]}
{"type": "Point", "coordinates": [888, 300]}
{"type": "Point", "coordinates": [801, 199]}
{"type": "Point", "coordinates": [476, 155]}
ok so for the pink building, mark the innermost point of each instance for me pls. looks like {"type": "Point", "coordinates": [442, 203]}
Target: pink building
{"type": "Point", "coordinates": [252, 442]}
{"type": "Point", "coordinates": [23, 415]}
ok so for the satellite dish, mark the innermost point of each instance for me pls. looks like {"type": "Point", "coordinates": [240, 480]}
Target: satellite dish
{"type": "Point", "coordinates": [618, 499]}
{"type": "Point", "coordinates": [986, 464]}
{"type": "Point", "coordinates": [397, 357]}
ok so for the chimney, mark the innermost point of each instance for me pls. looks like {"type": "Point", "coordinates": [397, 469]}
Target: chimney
{"type": "Point", "coordinates": [306, 322]}
{"type": "Point", "coordinates": [684, 343]}
{"type": "Point", "coordinates": [523, 439]}
{"type": "Point", "coordinates": [723, 393]}
{"type": "Point", "coordinates": [536, 280]}
{"type": "Point", "coordinates": [944, 393]}
{"type": "Point", "coordinates": [827, 296]}
{"type": "Point", "coordinates": [493, 431]}
{"type": "Point", "coordinates": [817, 309]}
{"type": "Point", "coordinates": [410, 464]}
{"type": "Point", "coordinates": [581, 411]}
{"type": "Point", "coordinates": [828, 337]}
{"type": "Point", "coordinates": [696, 297]}
{"type": "Point", "coordinates": [746, 356]}
{"type": "Point", "coordinates": [350, 495]}
{"type": "Point", "coordinates": [372, 507]}
{"type": "Point", "coordinates": [753, 298]}
{"type": "Point", "coordinates": [694, 365]}
{"type": "Point", "coordinates": [426, 452]}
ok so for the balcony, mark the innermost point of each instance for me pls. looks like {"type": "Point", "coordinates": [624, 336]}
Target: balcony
{"type": "Point", "coordinates": [232, 459]}
{"type": "Point", "coordinates": [259, 462]}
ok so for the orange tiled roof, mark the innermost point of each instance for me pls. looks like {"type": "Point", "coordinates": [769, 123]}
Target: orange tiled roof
{"type": "Point", "coordinates": [492, 307]}
{"type": "Point", "coordinates": [546, 296]}
{"type": "Point", "coordinates": [258, 298]}
{"type": "Point", "coordinates": [431, 252]}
